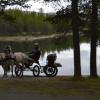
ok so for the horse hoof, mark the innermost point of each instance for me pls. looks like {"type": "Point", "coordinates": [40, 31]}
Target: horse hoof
{"type": "Point", "coordinates": [4, 76]}
{"type": "Point", "coordinates": [12, 76]}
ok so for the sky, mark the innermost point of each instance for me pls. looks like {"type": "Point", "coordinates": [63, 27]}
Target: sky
{"type": "Point", "coordinates": [47, 7]}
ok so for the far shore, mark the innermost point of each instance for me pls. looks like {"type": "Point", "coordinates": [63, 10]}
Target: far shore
{"type": "Point", "coordinates": [29, 38]}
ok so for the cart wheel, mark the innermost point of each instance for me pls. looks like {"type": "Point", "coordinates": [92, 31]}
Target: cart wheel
{"type": "Point", "coordinates": [55, 72]}
{"type": "Point", "coordinates": [36, 70]}
{"type": "Point", "coordinates": [50, 71]}
{"type": "Point", "coordinates": [19, 71]}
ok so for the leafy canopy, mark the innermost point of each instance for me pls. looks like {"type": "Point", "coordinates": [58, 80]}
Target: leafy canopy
{"type": "Point", "coordinates": [4, 3]}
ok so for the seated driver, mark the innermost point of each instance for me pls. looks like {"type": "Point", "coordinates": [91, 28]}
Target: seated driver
{"type": "Point", "coordinates": [35, 54]}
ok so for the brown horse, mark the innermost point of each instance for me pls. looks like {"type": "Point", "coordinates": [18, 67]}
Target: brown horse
{"type": "Point", "coordinates": [16, 59]}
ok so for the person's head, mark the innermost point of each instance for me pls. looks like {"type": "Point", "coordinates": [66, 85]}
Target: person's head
{"type": "Point", "coordinates": [36, 45]}
{"type": "Point", "coordinates": [8, 47]}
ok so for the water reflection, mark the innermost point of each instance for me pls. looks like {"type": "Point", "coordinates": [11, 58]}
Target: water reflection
{"type": "Point", "coordinates": [66, 59]}
{"type": "Point", "coordinates": [48, 45]}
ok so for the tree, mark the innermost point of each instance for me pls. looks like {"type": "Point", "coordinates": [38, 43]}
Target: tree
{"type": "Point", "coordinates": [91, 8]}
{"type": "Point", "coordinates": [94, 19]}
{"type": "Point", "coordinates": [5, 3]}
{"type": "Point", "coordinates": [62, 19]}
{"type": "Point", "coordinates": [75, 31]}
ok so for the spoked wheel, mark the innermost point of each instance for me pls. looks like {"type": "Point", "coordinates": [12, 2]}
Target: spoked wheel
{"type": "Point", "coordinates": [36, 70]}
{"type": "Point", "coordinates": [50, 71]}
{"type": "Point", "coordinates": [55, 72]}
{"type": "Point", "coordinates": [19, 71]}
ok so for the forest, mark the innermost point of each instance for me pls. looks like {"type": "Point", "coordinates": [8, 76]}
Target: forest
{"type": "Point", "coordinates": [17, 22]}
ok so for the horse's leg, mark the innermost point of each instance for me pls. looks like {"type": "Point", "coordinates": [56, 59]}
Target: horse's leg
{"type": "Point", "coordinates": [5, 73]}
{"type": "Point", "coordinates": [12, 70]}
{"type": "Point", "coordinates": [22, 69]}
{"type": "Point", "coordinates": [12, 66]}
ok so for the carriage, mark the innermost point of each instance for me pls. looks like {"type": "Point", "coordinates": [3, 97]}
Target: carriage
{"type": "Point", "coordinates": [50, 69]}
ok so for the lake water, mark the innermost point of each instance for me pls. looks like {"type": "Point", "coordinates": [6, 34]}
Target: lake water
{"type": "Point", "coordinates": [64, 55]}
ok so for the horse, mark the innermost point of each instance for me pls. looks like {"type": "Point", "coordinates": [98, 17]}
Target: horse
{"type": "Point", "coordinates": [6, 63]}
{"type": "Point", "coordinates": [16, 59]}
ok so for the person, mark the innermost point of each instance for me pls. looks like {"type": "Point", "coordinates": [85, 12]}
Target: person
{"type": "Point", "coordinates": [9, 54]}
{"type": "Point", "coordinates": [51, 58]}
{"type": "Point", "coordinates": [35, 54]}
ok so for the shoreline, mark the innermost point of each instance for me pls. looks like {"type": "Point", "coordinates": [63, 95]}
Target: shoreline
{"type": "Point", "coordinates": [27, 38]}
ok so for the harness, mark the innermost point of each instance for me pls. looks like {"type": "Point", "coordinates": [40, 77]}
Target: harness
{"type": "Point", "coordinates": [9, 56]}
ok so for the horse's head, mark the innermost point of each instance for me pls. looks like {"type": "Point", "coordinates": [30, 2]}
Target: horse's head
{"type": "Point", "coordinates": [2, 56]}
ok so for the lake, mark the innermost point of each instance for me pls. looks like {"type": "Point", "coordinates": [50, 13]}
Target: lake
{"type": "Point", "coordinates": [64, 50]}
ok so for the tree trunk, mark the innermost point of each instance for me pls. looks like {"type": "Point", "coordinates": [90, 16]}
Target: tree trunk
{"type": "Point", "coordinates": [75, 29]}
{"type": "Point", "coordinates": [93, 66]}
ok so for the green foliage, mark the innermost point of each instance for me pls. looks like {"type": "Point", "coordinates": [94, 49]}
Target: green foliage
{"type": "Point", "coordinates": [85, 11]}
{"type": "Point", "coordinates": [15, 21]}
{"type": "Point", "coordinates": [62, 20]}
{"type": "Point", "coordinates": [4, 3]}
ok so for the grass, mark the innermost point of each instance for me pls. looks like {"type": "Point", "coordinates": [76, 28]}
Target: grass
{"type": "Point", "coordinates": [54, 86]}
